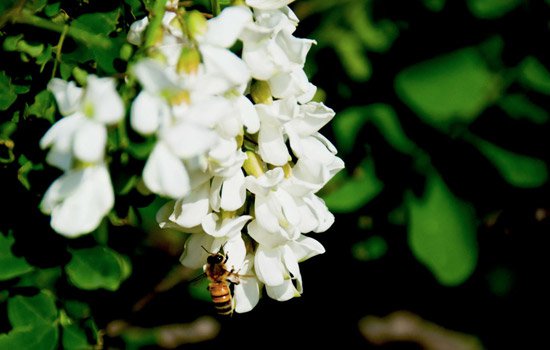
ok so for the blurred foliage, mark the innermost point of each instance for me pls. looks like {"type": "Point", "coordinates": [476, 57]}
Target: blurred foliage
{"type": "Point", "coordinates": [442, 119]}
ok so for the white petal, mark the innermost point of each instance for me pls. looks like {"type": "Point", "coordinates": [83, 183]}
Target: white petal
{"type": "Point", "coordinates": [247, 294]}
{"type": "Point", "coordinates": [89, 142]}
{"type": "Point", "coordinates": [295, 49]}
{"type": "Point", "coordinates": [305, 248]}
{"type": "Point", "coordinates": [268, 4]}
{"type": "Point", "coordinates": [191, 209]}
{"type": "Point", "coordinates": [226, 64]}
{"type": "Point", "coordinates": [319, 209]}
{"type": "Point", "coordinates": [264, 214]}
{"type": "Point", "coordinates": [153, 77]}
{"type": "Point", "coordinates": [165, 174]}
{"type": "Point", "coordinates": [224, 29]}
{"type": "Point", "coordinates": [215, 193]}
{"type": "Point", "coordinates": [269, 180]}
{"type": "Point", "coordinates": [235, 251]}
{"type": "Point", "coordinates": [264, 237]}
{"type": "Point", "coordinates": [163, 214]}
{"type": "Point", "coordinates": [187, 140]}
{"type": "Point", "coordinates": [233, 192]}
{"type": "Point", "coordinates": [282, 292]}
{"type": "Point", "coordinates": [193, 255]}
{"type": "Point", "coordinates": [147, 112]}
{"type": "Point", "coordinates": [248, 114]}
{"type": "Point", "coordinates": [67, 95]}
{"type": "Point", "coordinates": [135, 34]}
{"type": "Point", "coordinates": [288, 206]}
{"type": "Point", "coordinates": [62, 132]}
{"type": "Point", "coordinates": [291, 263]}
{"type": "Point", "coordinates": [271, 143]}
{"type": "Point", "coordinates": [255, 57]}
{"type": "Point", "coordinates": [268, 265]}
{"type": "Point", "coordinates": [107, 104]}
{"type": "Point", "coordinates": [293, 84]}
{"type": "Point", "coordinates": [84, 208]}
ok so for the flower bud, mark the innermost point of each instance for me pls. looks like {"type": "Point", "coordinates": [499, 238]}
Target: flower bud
{"type": "Point", "coordinates": [261, 92]}
{"type": "Point", "coordinates": [253, 164]}
{"type": "Point", "coordinates": [196, 24]}
{"type": "Point", "coordinates": [189, 60]}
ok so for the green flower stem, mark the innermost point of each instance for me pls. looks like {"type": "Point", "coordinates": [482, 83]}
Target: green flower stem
{"type": "Point", "coordinates": [25, 17]}
{"type": "Point", "coordinates": [216, 9]}
{"type": "Point", "coordinates": [151, 35]}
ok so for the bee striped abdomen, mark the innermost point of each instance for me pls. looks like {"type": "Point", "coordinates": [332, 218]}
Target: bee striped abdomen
{"type": "Point", "coordinates": [221, 296]}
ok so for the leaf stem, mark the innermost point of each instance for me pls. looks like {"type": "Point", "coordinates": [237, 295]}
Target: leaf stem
{"type": "Point", "coordinates": [155, 23]}
{"type": "Point", "coordinates": [216, 9]}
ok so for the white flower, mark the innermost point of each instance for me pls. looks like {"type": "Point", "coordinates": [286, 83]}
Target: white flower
{"type": "Point", "coordinates": [277, 266]}
{"type": "Point", "coordinates": [78, 200]}
{"type": "Point", "coordinates": [268, 4]}
{"type": "Point", "coordinates": [247, 292]}
{"type": "Point", "coordinates": [269, 46]}
{"type": "Point", "coordinates": [82, 134]}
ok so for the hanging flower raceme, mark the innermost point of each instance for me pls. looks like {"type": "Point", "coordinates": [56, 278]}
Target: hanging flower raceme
{"type": "Point", "coordinates": [237, 148]}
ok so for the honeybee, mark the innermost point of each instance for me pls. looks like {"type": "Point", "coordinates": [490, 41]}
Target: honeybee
{"type": "Point", "coordinates": [219, 286]}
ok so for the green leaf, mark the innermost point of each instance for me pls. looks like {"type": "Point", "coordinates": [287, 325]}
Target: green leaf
{"type": "Point", "coordinates": [370, 249]}
{"type": "Point", "coordinates": [10, 43]}
{"type": "Point", "coordinates": [442, 232]}
{"type": "Point", "coordinates": [11, 266]}
{"type": "Point", "coordinates": [434, 5]}
{"type": "Point", "coordinates": [6, 5]}
{"type": "Point", "coordinates": [136, 7]}
{"type": "Point", "coordinates": [199, 290]}
{"type": "Point", "coordinates": [43, 106]}
{"type": "Point", "coordinates": [356, 191]}
{"type": "Point", "coordinates": [535, 75]}
{"type": "Point", "coordinates": [349, 122]}
{"type": "Point", "coordinates": [350, 50]}
{"type": "Point", "coordinates": [39, 309]}
{"type": "Point", "coordinates": [519, 107]}
{"type": "Point", "coordinates": [97, 267]}
{"type": "Point", "coordinates": [41, 278]}
{"type": "Point", "coordinates": [33, 50]}
{"type": "Point", "coordinates": [74, 337]}
{"type": "Point", "coordinates": [37, 337]}
{"type": "Point", "coordinates": [447, 89]}
{"type": "Point", "coordinates": [8, 95]}
{"type": "Point", "coordinates": [376, 37]}
{"type": "Point", "coordinates": [518, 170]}
{"type": "Point", "coordinates": [492, 8]}
{"type": "Point", "coordinates": [52, 9]}
{"type": "Point", "coordinates": [100, 23]}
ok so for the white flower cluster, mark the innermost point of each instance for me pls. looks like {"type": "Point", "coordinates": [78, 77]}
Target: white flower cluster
{"type": "Point", "coordinates": [238, 148]}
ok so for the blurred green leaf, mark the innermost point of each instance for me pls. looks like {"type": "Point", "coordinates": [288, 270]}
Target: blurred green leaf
{"type": "Point", "coordinates": [74, 337]}
{"type": "Point", "coordinates": [38, 309]}
{"type": "Point", "coordinates": [34, 337]}
{"type": "Point", "coordinates": [101, 23]}
{"type": "Point", "coordinates": [43, 106]}
{"type": "Point", "coordinates": [41, 278]}
{"type": "Point", "coordinates": [519, 107]}
{"type": "Point", "coordinates": [199, 290]}
{"type": "Point", "coordinates": [136, 7]}
{"type": "Point", "coordinates": [33, 50]}
{"type": "Point", "coordinates": [535, 75]}
{"type": "Point", "coordinates": [11, 266]}
{"type": "Point", "coordinates": [350, 50]}
{"type": "Point", "coordinates": [376, 37]}
{"type": "Point", "coordinates": [518, 170]}
{"type": "Point", "coordinates": [8, 95]}
{"type": "Point", "coordinates": [492, 8]}
{"type": "Point", "coordinates": [10, 42]}
{"type": "Point", "coordinates": [76, 309]}
{"type": "Point", "coordinates": [500, 281]}
{"type": "Point", "coordinates": [370, 249]}
{"type": "Point", "coordinates": [349, 122]}
{"type": "Point", "coordinates": [447, 89]}
{"type": "Point", "coordinates": [97, 267]}
{"type": "Point", "coordinates": [356, 191]}
{"type": "Point", "coordinates": [442, 232]}
{"type": "Point", "coordinates": [52, 9]}
{"type": "Point", "coordinates": [434, 5]}
{"type": "Point", "coordinates": [6, 5]}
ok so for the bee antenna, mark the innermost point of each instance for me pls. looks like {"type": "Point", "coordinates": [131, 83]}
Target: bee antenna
{"type": "Point", "coordinates": [206, 250]}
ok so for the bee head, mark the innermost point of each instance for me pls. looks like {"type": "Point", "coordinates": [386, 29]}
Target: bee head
{"type": "Point", "coordinates": [217, 258]}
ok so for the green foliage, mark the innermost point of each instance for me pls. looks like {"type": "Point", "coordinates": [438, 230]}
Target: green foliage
{"type": "Point", "coordinates": [34, 323]}
{"type": "Point", "coordinates": [453, 88]}
{"type": "Point", "coordinates": [12, 266]}
{"type": "Point", "coordinates": [519, 107]}
{"type": "Point", "coordinates": [518, 170]}
{"type": "Point", "coordinates": [97, 267]}
{"type": "Point", "coordinates": [355, 191]}
{"type": "Point", "coordinates": [535, 75]}
{"type": "Point", "coordinates": [492, 8]}
{"type": "Point", "coordinates": [442, 232]}
{"type": "Point", "coordinates": [8, 96]}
